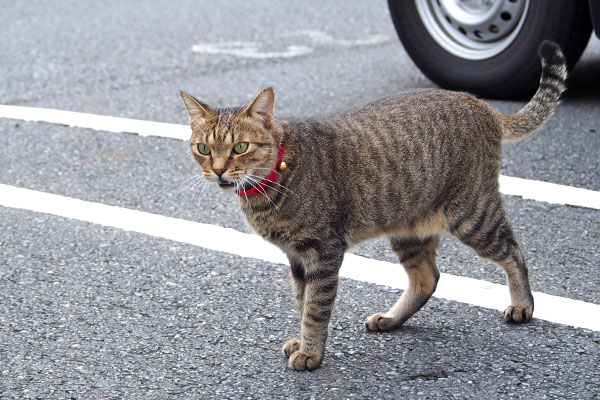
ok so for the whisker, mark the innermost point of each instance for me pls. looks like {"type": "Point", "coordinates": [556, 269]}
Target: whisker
{"type": "Point", "coordinates": [242, 184]}
{"type": "Point", "coordinates": [273, 182]}
{"type": "Point", "coordinates": [188, 187]}
{"type": "Point", "coordinates": [188, 183]}
{"type": "Point", "coordinates": [269, 186]}
{"type": "Point", "coordinates": [261, 191]}
{"type": "Point", "coordinates": [267, 169]}
{"type": "Point", "coordinates": [200, 185]}
{"type": "Point", "coordinates": [191, 194]}
{"type": "Point", "coordinates": [192, 189]}
{"type": "Point", "coordinates": [190, 179]}
{"type": "Point", "coordinates": [199, 189]}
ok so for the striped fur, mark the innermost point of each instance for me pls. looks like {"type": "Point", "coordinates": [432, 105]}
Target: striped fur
{"type": "Point", "coordinates": [542, 105]}
{"type": "Point", "coordinates": [411, 167]}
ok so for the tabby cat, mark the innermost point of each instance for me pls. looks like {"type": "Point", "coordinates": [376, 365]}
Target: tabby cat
{"type": "Point", "coordinates": [410, 167]}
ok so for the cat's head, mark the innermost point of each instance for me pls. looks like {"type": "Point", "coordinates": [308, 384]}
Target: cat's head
{"type": "Point", "coordinates": [235, 147]}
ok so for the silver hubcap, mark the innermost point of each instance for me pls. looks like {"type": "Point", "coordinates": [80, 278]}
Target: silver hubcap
{"type": "Point", "coordinates": [473, 29]}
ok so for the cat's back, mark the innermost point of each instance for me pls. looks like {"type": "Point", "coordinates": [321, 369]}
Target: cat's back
{"type": "Point", "coordinates": [420, 114]}
{"type": "Point", "coordinates": [419, 105]}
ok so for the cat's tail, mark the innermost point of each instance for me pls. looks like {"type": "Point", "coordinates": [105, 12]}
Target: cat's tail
{"type": "Point", "coordinates": [541, 107]}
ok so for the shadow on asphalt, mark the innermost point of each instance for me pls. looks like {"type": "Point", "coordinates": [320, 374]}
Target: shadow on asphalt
{"type": "Point", "coordinates": [584, 81]}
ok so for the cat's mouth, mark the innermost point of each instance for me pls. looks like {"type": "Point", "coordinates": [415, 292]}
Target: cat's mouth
{"type": "Point", "coordinates": [225, 184]}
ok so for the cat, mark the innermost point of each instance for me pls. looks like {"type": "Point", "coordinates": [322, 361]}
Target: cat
{"type": "Point", "coordinates": [410, 166]}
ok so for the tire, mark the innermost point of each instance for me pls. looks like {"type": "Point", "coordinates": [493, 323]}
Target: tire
{"type": "Point", "coordinates": [505, 67]}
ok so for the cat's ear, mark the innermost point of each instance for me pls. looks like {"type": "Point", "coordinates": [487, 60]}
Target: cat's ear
{"type": "Point", "coordinates": [261, 108]}
{"type": "Point", "coordinates": [198, 110]}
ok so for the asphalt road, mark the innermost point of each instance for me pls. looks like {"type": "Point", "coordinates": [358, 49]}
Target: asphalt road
{"type": "Point", "coordinates": [88, 311]}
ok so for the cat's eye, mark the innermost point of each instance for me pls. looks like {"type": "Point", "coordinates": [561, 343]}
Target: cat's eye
{"type": "Point", "coordinates": [203, 149]}
{"type": "Point", "coordinates": [240, 147]}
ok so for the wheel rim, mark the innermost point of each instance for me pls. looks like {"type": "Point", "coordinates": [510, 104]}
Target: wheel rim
{"type": "Point", "coordinates": [473, 29]}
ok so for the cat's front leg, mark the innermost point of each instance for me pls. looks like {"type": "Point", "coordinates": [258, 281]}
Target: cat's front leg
{"type": "Point", "coordinates": [320, 281]}
{"type": "Point", "coordinates": [318, 306]}
{"type": "Point", "coordinates": [297, 277]}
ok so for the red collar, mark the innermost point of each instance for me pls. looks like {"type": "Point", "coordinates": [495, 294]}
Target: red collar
{"type": "Point", "coordinates": [273, 177]}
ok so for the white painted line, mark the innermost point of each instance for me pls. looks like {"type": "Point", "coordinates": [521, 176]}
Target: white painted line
{"type": "Point", "coordinates": [250, 50]}
{"type": "Point", "coordinates": [477, 292]}
{"type": "Point", "coordinates": [528, 189]}
{"type": "Point", "coordinates": [549, 192]}
{"type": "Point", "coordinates": [96, 122]}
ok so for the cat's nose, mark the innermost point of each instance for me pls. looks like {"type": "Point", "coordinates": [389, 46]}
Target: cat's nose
{"type": "Point", "coordinates": [219, 172]}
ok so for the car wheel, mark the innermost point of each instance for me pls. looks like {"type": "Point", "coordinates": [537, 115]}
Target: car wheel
{"type": "Point", "coordinates": [488, 47]}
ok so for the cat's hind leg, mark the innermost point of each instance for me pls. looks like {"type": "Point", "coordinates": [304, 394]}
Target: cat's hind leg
{"type": "Point", "coordinates": [489, 233]}
{"type": "Point", "coordinates": [418, 258]}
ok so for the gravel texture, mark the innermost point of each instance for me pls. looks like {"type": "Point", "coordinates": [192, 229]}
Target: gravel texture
{"type": "Point", "coordinates": [91, 312]}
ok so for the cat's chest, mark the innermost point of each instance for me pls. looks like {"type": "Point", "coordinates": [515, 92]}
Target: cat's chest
{"type": "Point", "coordinates": [272, 227]}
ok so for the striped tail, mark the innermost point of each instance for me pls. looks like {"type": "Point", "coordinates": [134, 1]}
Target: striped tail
{"type": "Point", "coordinates": [541, 107]}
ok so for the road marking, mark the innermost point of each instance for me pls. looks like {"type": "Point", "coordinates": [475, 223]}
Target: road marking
{"type": "Point", "coordinates": [264, 50]}
{"type": "Point", "coordinates": [547, 192]}
{"type": "Point", "coordinates": [477, 292]}
{"type": "Point", "coordinates": [96, 122]}
{"type": "Point", "coordinates": [250, 50]}
{"type": "Point", "coordinates": [528, 189]}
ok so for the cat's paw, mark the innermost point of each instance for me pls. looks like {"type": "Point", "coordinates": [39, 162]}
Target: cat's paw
{"type": "Point", "coordinates": [379, 322]}
{"type": "Point", "coordinates": [290, 347]}
{"type": "Point", "coordinates": [303, 361]}
{"type": "Point", "coordinates": [518, 315]}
